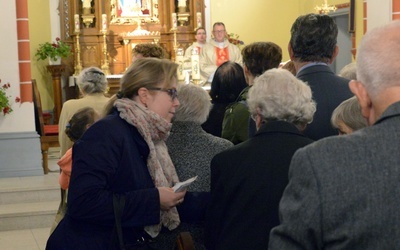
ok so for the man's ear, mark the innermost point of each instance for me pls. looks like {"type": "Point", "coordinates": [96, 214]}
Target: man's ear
{"type": "Point", "coordinates": [291, 52]}
{"type": "Point", "coordinates": [245, 69]}
{"type": "Point", "coordinates": [364, 100]}
{"type": "Point", "coordinates": [258, 120]}
{"type": "Point", "coordinates": [334, 54]}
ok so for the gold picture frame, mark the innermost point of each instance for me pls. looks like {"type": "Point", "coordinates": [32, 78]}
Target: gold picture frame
{"type": "Point", "coordinates": [131, 11]}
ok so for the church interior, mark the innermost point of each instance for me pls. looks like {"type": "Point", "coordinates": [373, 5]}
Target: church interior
{"type": "Point", "coordinates": [102, 33]}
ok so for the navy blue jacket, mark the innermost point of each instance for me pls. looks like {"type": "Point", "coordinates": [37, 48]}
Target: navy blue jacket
{"type": "Point", "coordinates": [247, 182]}
{"type": "Point", "coordinates": [109, 158]}
{"type": "Point", "coordinates": [328, 91]}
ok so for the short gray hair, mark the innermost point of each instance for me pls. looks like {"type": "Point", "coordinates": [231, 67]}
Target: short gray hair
{"type": "Point", "coordinates": [92, 80]}
{"type": "Point", "coordinates": [349, 71]}
{"type": "Point", "coordinates": [278, 95]}
{"type": "Point", "coordinates": [194, 105]}
{"type": "Point", "coordinates": [349, 112]}
{"type": "Point", "coordinates": [377, 66]}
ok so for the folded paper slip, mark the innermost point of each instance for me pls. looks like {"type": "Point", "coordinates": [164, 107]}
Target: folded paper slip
{"type": "Point", "coordinates": [180, 186]}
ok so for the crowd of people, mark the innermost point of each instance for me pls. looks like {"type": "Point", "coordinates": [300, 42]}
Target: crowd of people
{"type": "Point", "coordinates": [286, 156]}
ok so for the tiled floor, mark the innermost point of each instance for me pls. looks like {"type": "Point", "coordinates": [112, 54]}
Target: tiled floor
{"type": "Point", "coordinates": [32, 239]}
{"type": "Point", "coordinates": [28, 239]}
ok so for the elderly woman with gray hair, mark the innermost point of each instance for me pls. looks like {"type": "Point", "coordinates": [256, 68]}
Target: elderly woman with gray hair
{"type": "Point", "coordinates": [248, 180]}
{"type": "Point", "coordinates": [347, 117]}
{"type": "Point", "coordinates": [280, 97]}
{"type": "Point", "coordinates": [92, 84]}
{"type": "Point", "coordinates": [191, 148]}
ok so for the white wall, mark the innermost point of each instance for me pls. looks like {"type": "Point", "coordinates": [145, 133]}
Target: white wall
{"type": "Point", "coordinates": [22, 118]}
{"type": "Point", "coordinates": [208, 24]}
{"type": "Point", "coordinates": [55, 19]}
{"type": "Point", "coordinates": [379, 12]}
{"type": "Point", "coordinates": [19, 143]}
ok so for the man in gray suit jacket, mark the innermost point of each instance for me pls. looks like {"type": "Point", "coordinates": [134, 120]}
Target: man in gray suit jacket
{"type": "Point", "coordinates": [344, 191]}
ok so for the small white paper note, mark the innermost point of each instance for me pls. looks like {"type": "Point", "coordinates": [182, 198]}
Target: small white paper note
{"type": "Point", "coordinates": [181, 186]}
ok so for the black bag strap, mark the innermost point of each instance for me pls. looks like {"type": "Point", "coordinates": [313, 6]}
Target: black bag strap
{"type": "Point", "coordinates": [119, 204]}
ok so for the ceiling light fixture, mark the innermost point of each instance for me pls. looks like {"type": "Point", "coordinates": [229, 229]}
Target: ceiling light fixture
{"type": "Point", "coordinates": [325, 8]}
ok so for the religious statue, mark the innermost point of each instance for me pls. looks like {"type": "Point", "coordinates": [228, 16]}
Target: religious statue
{"type": "Point", "coordinates": [87, 4]}
{"type": "Point", "coordinates": [130, 7]}
{"type": "Point", "coordinates": [182, 5]}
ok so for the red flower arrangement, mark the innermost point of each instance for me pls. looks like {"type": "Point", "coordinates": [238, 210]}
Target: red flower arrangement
{"type": "Point", "coordinates": [5, 106]}
{"type": "Point", "coordinates": [234, 39]}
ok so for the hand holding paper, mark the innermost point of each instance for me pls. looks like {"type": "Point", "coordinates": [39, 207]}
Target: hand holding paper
{"type": "Point", "coordinates": [181, 186]}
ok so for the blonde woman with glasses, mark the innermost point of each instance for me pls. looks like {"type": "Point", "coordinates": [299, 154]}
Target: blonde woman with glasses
{"type": "Point", "coordinates": [120, 190]}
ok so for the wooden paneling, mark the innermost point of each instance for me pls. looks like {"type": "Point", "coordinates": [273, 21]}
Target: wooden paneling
{"type": "Point", "coordinates": [119, 55]}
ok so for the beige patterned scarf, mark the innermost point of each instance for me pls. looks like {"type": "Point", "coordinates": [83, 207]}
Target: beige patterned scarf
{"type": "Point", "coordinates": [155, 131]}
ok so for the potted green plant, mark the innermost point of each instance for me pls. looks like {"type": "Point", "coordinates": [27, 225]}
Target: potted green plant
{"type": "Point", "coordinates": [53, 51]}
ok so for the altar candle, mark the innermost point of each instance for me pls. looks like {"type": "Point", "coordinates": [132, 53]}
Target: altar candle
{"type": "Point", "coordinates": [77, 25]}
{"type": "Point", "coordinates": [174, 21]}
{"type": "Point", "coordinates": [195, 64]}
{"type": "Point", "coordinates": [198, 19]}
{"type": "Point", "coordinates": [179, 60]}
{"type": "Point", "coordinates": [104, 22]}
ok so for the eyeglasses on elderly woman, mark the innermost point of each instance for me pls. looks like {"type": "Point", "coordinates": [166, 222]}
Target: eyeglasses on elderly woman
{"type": "Point", "coordinates": [171, 92]}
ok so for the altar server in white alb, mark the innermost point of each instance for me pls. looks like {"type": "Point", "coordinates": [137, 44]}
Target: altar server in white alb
{"type": "Point", "coordinates": [217, 51]}
{"type": "Point", "coordinates": [201, 40]}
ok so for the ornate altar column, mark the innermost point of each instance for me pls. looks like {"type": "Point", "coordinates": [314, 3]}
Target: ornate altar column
{"type": "Point", "coordinates": [56, 71]}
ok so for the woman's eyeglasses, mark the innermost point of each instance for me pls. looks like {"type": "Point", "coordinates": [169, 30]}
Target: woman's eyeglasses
{"type": "Point", "coordinates": [171, 92]}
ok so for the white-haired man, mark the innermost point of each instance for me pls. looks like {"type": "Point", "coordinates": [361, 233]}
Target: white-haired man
{"type": "Point", "coordinates": [343, 191]}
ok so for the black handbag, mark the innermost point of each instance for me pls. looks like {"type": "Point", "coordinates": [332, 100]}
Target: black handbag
{"type": "Point", "coordinates": [119, 205]}
{"type": "Point", "coordinates": [143, 243]}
